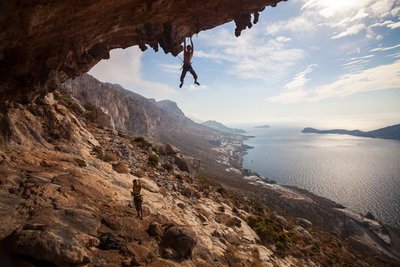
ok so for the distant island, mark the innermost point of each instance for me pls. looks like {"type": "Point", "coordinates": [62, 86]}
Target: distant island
{"type": "Point", "coordinates": [390, 132]}
{"type": "Point", "coordinates": [220, 127]}
{"type": "Point", "coordinates": [263, 126]}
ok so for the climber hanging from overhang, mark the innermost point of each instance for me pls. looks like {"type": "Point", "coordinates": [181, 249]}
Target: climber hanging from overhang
{"type": "Point", "coordinates": [187, 65]}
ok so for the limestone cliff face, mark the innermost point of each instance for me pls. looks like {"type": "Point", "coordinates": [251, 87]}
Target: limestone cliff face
{"type": "Point", "coordinates": [132, 112]}
{"type": "Point", "coordinates": [43, 43]}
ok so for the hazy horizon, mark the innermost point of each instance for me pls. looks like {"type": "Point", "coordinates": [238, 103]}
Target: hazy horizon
{"type": "Point", "coordinates": [317, 63]}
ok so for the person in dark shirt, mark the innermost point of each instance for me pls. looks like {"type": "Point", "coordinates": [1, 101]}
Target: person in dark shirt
{"type": "Point", "coordinates": [137, 197]}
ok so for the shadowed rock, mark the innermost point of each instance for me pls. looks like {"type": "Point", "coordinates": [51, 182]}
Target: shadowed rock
{"type": "Point", "coordinates": [180, 239]}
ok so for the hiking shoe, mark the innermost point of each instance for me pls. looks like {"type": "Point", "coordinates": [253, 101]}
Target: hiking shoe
{"type": "Point", "coordinates": [180, 86]}
{"type": "Point", "coordinates": [196, 82]}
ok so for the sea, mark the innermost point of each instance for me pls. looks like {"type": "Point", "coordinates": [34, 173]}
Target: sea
{"type": "Point", "coordinates": [360, 173]}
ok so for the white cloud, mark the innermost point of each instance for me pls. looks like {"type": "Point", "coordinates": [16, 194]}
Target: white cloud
{"type": "Point", "coordinates": [124, 67]}
{"type": "Point", "coordinates": [381, 8]}
{"type": "Point", "coordinates": [384, 48]}
{"type": "Point", "coordinates": [252, 55]}
{"type": "Point", "coordinates": [394, 25]}
{"type": "Point", "coordinates": [299, 24]}
{"type": "Point", "coordinates": [395, 55]}
{"type": "Point", "coordinates": [283, 39]}
{"type": "Point", "coordinates": [355, 64]}
{"type": "Point", "coordinates": [350, 31]}
{"type": "Point", "coordinates": [300, 80]}
{"type": "Point", "coordinates": [193, 87]}
{"type": "Point", "coordinates": [170, 68]}
{"type": "Point", "coordinates": [387, 23]}
{"type": "Point", "coordinates": [345, 17]}
{"type": "Point", "coordinates": [378, 78]}
{"type": "Point", "coordinates": [395, 11]}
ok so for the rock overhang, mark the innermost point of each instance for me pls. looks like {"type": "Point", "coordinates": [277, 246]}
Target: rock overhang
{"type": "Point", "coordinates": [45, 42]}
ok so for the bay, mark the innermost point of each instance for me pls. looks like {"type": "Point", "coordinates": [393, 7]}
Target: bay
{"type": "Point", "coordinates": [362, 174]}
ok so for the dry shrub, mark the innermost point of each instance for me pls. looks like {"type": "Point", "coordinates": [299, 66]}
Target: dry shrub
{"type": "Point", "coordinates": [120, 167]}
{"type": "Point", "coordinates": [110, 157]}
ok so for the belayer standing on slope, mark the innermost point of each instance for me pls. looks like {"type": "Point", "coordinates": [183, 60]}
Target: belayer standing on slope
{"type": "Point", "coordinates": [187, 65]}
{"type": "Point", "coordinates": [137, 197]}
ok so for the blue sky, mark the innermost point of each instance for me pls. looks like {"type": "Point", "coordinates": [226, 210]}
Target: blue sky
{"type": "Point", "coordinates": [321, 63]}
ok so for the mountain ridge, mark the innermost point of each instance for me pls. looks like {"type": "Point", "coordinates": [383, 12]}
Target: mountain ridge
{"type": "Point", "coordinates": [389, 132]}
{"type": "Point", "coordinates": [221, 127]}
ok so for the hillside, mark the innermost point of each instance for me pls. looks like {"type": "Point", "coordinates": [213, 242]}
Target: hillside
{"type": "Point", "coordinates": [220, 127]}
{"type": "Point", "coordinates": [65, 201]}
{"type": "Point", "coordinates": [161, 121]}
{"type": "Point", "coordinates": [390, 132]}
{"type": "Point", "coordinates": [66, 175]}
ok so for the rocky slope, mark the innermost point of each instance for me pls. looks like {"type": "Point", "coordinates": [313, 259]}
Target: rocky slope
{"type": "Point", "coordinates": [65, 190]}
{"type": "Point", "coordinates": [133, 112]}
{"type": "Point", "coordinates": [65, 200]}
{"type": "Point", "coordinates": [43, 43]}
{"type": "Point", "coordinates": [162, 121]}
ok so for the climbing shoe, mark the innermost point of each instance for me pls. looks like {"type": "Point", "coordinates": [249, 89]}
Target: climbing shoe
{"type": "Point", "coordinates": [196, 82]}
{"type": "Point", "coordinates": [180, 86]}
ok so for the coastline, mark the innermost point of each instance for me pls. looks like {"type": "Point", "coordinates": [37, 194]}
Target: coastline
{"type": "Point", "coordinates": [362, 232]}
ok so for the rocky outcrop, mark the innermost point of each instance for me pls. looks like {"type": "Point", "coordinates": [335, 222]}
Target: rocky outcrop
{"type": "Point", "coordinates": [132, 112]}
{"type": "Point", "coordinates": [180, 239]}
{"type": "Point", "coordinates": [162, 121]}
{"type": "Point", "coordinates": [100, 116]}
{"type": "Point", "coordinates": [43, 43]}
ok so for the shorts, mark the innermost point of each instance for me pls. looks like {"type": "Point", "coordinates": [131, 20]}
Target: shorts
{"type": "Point", "coordinates": [138, 199]}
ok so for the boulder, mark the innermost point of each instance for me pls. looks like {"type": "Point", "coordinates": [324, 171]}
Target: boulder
{"type": "Point", "coordinates": [187, 164]}
{"type": "Point", "coordinates": [100, 116]}
{"type": "Point", "coordinates": [303, 232]}
{"type": "Point", "coordinates": [303, 222]}
{"type": "Point", "coordinates": [57, 244]}
{"type": "Point", "coordinates": [233, 221]}
{"type": "Point", "coordinates": [170, 149]}
{"type": "Point", "coordinates": [282, 220]}
{"type": "Point", "coordinates": [180, 239]}
{"type": "Point", "coordinates": [155, 230]}
{"type": "Point", "coordinates": [108, 242]}
{"type": "Point", "coordinates": [182, 164]}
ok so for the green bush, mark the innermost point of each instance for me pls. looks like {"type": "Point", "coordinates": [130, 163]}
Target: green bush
{"type": "Point", "coordinates": [65, 99]}
{"type": "Point", "coordinates": [89, 106]}
{"type": "Point", "coordinates": [139, 139]}
{"type": "Point", "coordinates": [81, 163]}
{"type": "Point", "coordinates": [270, 232]}
{"type": "Point", "coordinates": [203, 180]}
{"type": "Point", "coordinates": [142, 143]}
{"type": "Point", "coordinates": [153, 160]}
{"type": "Point", "coordinates": [100, 153]}
{"type": "Point", "coordinates": [104, 155]}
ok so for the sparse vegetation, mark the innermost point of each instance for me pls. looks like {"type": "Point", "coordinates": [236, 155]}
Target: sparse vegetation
{"type": "Point", "coordinates": [141, 142]}
{"type": "Point", "coordinates": [81, 163]}
{"type": "Point", "coordinates": [153, 159]}
{"type": "Point", "coordinates": [89, 106]}
{"type": "Point", "coordinates": [203, 180]}
{"type": "Point", "coordinates": [65, 99]}
{"type": "Point", "coordinates": [100, 153]}
{"type": "Point", "coordinates": [271, 232]}
{"type": "Point", "coordinates": [120, 167]}
{"type": "Point", "coordinates": [110, 157]}
{"type": "Point", "coordinates": [104, 155]}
